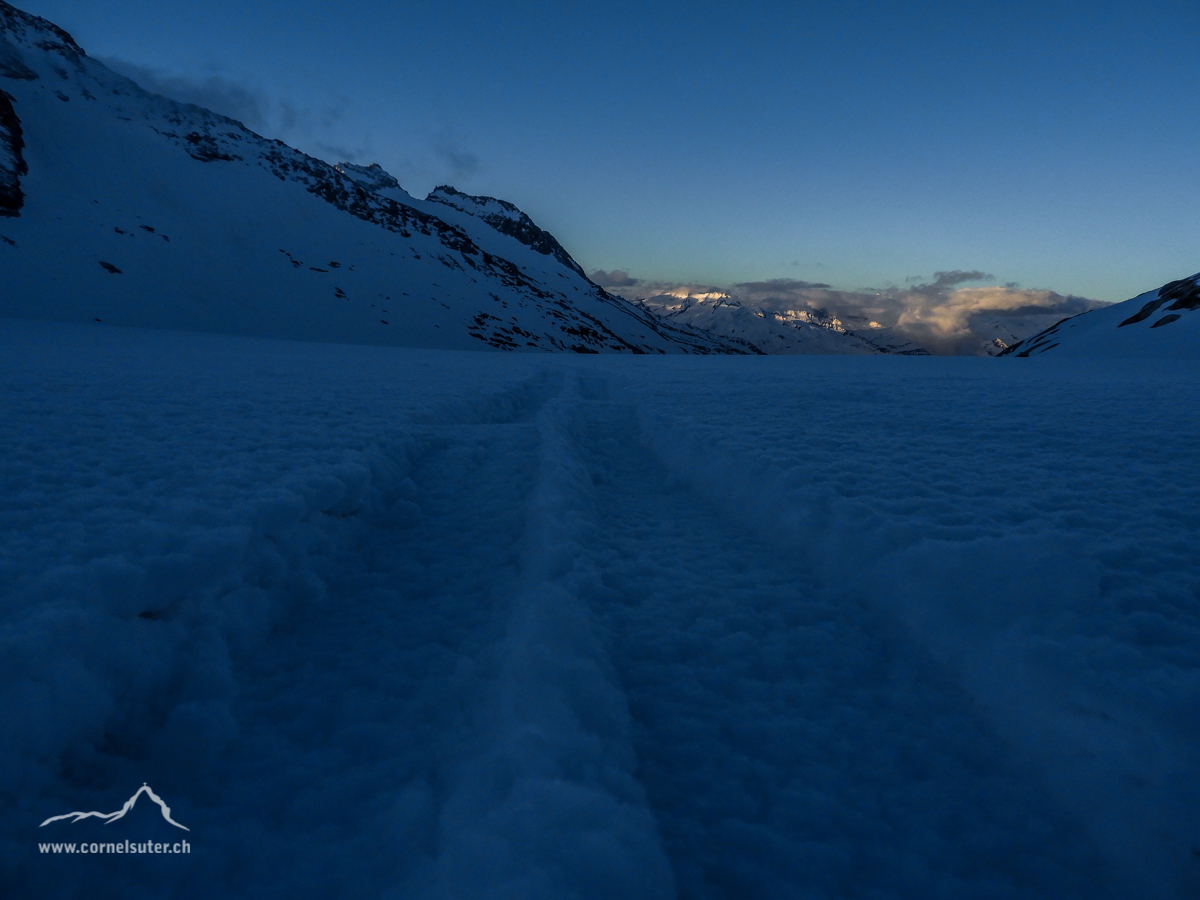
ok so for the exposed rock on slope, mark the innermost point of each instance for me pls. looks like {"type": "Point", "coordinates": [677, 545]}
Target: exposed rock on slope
{"type": "Point", "coordinates": [12, 161]}
{"type": "Point", "coordinates": [506, 219]}
{"type": "Point", "coordinates": [1156, 324]}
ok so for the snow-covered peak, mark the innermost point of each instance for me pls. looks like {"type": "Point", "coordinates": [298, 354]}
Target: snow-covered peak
{"type": "Point", "coordinates": [375, 179]}
{"type": "Point", "coordinates": [680, 301]}
{"type": "Point", "coordinates": [473, 204]}
{"type": "Point", "coordinates": [505, 218]}
{"type": "Point", "coordinates": [1158, 324]}
{"type": "Point", "coordinates": [23, 28]}
{"type": "Point", "coordinates": [776, 330]}
{"type": "Point", "coordinates": [717, 297]}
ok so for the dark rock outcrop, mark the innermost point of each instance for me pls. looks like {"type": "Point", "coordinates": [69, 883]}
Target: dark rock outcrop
{"type": "Point", "coordinates": [12, 159]}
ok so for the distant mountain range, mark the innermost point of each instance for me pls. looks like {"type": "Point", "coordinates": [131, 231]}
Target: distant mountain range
{"type": "Point", "coordinates": [1155, 325]}
{"type": "Point", "coordinates": [816, 319]}
{"type": "Point", "coordinates": [778, 331]}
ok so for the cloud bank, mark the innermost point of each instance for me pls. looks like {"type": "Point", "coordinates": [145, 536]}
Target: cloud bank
{"type": "Point", "coordinates": [318, 129]}
{"type": "Point", "coordinates": [231, 98]}
{"type": "Point", "coordinates": [614, 279]}
{"type": "Point", "coordinates": [942, 314]}
{"type": "Point", "coordinates": [450, 150]}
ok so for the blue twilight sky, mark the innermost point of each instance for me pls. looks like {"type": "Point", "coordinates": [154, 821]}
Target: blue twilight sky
{"type": "Point", "coordinates": [858, 144]}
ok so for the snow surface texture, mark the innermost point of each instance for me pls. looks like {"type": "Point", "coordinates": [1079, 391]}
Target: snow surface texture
{"type": "Point", "coordinates": [1158, 324]}
{"type": "Point", "coordinates": [129, 208]}
{"type": "Point", "coordinates": [710, 628]}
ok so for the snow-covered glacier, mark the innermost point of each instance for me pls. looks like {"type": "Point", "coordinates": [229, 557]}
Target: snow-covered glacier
{"type": "Point", "coordinates": [385, 622]}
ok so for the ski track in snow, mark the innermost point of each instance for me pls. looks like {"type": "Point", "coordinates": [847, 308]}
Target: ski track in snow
{"type": "Point", "coordinates": [654, 628]}
{"type": "Point", "coordinates": [804, 737]}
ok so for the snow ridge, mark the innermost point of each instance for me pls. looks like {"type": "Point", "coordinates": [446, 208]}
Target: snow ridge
{"type": "Point", "coordinates": [27, 28]}
{"type": "Point", "coordinates": [507, 219]}
{"type": "Point", "coordinates": [374, 179]}
{"type": "Point", "coordinates": [557, 766]}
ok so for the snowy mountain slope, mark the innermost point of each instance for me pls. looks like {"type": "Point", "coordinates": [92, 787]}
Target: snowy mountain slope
{"type": "Point", "coordinates": [501, 228]}
{"type": "Point", "coordinates": [374, 179]}
{"type": "Point", "coordinates": [1155, 325]}
{"type": "Point", "coordinates": [504, 218]}
{"type": "Point", "coordinates": [778, 331]}
{"type": "Point", "coordinates": [133, 209]}
{"type": "Point", "coordinates": [997, 335]}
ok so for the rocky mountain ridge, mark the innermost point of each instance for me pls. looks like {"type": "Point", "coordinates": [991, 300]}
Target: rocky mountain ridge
{"type": "Point", "coordinates": [129, 208]}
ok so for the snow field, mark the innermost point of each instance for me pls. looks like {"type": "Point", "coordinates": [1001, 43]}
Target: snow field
{"type": "Point", "coordinates": [1030, 526]}
{"type": "Point", "coordinates": [449, 706]}
{"type": "Point", "coordinates": [168, 502]}
{"type": "Point", "coordinates": [795, 743]}
{"type": "Point", "coordinates": [432, 624]}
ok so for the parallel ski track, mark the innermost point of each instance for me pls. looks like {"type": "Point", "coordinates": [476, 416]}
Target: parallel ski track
{"type": "Point", "coordinates": [570, 643]}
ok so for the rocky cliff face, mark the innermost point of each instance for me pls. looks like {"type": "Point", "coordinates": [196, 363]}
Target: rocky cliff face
{"type": "Point", "coordinates": [12, 159]}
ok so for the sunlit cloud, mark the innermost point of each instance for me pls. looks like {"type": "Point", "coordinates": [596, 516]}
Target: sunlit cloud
{"type": "Point", "coordinates": [941, 314]}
